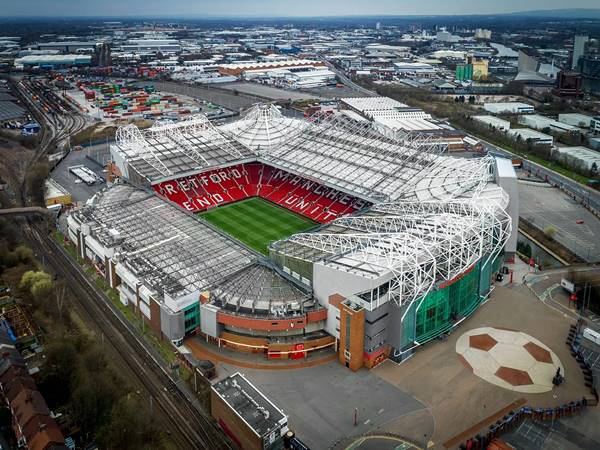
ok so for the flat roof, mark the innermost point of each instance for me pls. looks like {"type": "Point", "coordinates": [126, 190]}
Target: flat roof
{"type": "Point", "coordinates": [508, 104]}
{"type": "Point", "coordinates": [528, 133]}
{"type": "Point", "coordinates": [255, 409]}
{"type": "Point", "coordinates": [366, 104]}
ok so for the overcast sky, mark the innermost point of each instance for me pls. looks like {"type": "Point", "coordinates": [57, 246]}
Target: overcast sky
{"type": "Point", "coordinates": [269, 8]}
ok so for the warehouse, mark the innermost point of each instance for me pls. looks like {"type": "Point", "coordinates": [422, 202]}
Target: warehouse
{"type": "Point", "coordinates": [529, 135]}
{"type": "Point", "coordinates": [494, 122]}
{"type": "Point", "coordinates": [237, 69]}
{"type": "Point", "coordinates": [509, 108]}
{"type": "Point", "coordinates": [390, 116]}
{"type": "Point", "coordinates": [576, 120]}
{"type": "Point", "coordinates": [538, 122]}
{"type": "Point", "coordinates": [581, 157]}
{"type": "Point", "coordinates": [53, 61]}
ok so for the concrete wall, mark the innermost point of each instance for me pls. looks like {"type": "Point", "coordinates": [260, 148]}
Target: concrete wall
{"type": "Point", "coordinates": [328, 281]}
{"type": "Point", "coordinates": [233, 425]}
{"type": "Point", "coordinates": [507, 179]}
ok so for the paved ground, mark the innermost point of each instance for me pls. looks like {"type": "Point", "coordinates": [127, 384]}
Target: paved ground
{"type": "Point", "coordinates": [209, 94]}
{"type": "Point", "coordinates": [334, 92]}
{"type": "Point", "coordinates": [544, 206]}
{"type": "Point", "coordinates": [269, 92]}
{"type": "Point", "coordinates": [510, 359]}
{"type": "Point", "coordinates": [321, 400]}
{"type": "Point", "coordinates": [80, 192]}
{"type": "Point", "coordinates": [471, 400]}
{"type": "Point", "coordinates": [382, 442]}
{"type": "Point", "coordinates": [546, 285]}
{"type": "Point", "coordinates": [429, 399]}
{"type": "Point", "coordinates": [551, 436]}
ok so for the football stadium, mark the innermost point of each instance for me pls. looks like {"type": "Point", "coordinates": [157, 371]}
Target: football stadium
{"type": "Point", "coordinates": [281, 236]}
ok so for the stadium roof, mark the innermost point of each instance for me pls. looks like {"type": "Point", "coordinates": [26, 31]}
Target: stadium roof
{"type": "Point", "coordinates": [176, 148]}
{"type": "Point", "coordinates": [177, 254]}
{"type": "Point", "coordinates": [434, 215]}
{"type": "Point", "coordinates": [348, 155]}
{"type": "Point", "coordinates": [419, 243]}
{"type": "Point", "coordinates": [262, 127]}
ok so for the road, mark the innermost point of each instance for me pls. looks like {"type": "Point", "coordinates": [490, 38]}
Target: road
{"type": "Point", "coordinates": [581, 193]}
{"type": "Point", "coordinates": [348, 82]}
{"type": "Point", "coordinates": [188, 426]}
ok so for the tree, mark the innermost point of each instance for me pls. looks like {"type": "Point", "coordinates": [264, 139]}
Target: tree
{"type": "Point", "coordinates": [92, 399]}
{"type": "Point", "coordinates": [550, 231]}
{"type": "Point", "coordinates": [36, 178]}
{"type": "Point", "coordinates": [128, 429]}
{"type": "Point", "coordinates": [39, 284]}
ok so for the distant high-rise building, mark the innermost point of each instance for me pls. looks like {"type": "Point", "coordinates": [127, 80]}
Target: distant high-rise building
{"type": "Point", "coordinates": [578, 50]}
{"type": "Point", "coordinates": [481, 33]}
{"type": "Point", "coordinates": [378, 26]}
{"type": "Point", "coordinates": [590, 70]}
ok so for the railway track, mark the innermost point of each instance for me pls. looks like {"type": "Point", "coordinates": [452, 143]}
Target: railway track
{"type": "Point", "coordinates": [58, 119]}
{"type": "Point", "coordinates": [187, 427]}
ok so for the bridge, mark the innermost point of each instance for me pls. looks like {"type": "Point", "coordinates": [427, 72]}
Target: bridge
{"type": "Point", "coordinates": [26, 211]}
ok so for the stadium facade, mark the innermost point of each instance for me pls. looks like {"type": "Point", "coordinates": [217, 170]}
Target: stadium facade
{"type": "Point", "coordinates": [407, 243]}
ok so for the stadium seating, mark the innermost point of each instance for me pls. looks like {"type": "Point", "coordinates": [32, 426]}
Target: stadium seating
{"type": "Point", "coordinates": [231, 184]}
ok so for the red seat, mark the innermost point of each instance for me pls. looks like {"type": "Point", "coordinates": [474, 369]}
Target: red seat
{"type": "Point", "coordinates": [234, 183]}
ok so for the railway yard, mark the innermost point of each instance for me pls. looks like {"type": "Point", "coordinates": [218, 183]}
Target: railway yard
{"type": "Point", "coordinates": [186, 425]}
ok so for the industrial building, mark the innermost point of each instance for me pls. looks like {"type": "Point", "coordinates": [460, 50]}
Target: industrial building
{"type": "Point", "coordinates": [292, 77]}
{"type": "Point", "coordinates": [529, 135]}
{"type": "Point", "coordinates": [509, 108]}
{"type": "Point", "coordinates": [168, 46]}
{"type": "Point", "coordinates": [246, 415]}
{"type": "Point", "coordinates": [407, 243]}
{"type": "Point", "coordinates": [389, 115]}
{"type": "Point", "coordinates": [414, 68]}
{"type": "Point", "coordinates": [52, 61]}
{"type": "Point", "coordinates": [581, 157]}
{"type": "Point", "coordinates": [237, 69]}
{"type": "Point", "coordinates": [538, 122]}
{"type": "Point", "coordinates": [67, 46]}
{"type": "Point", "coordinates": [576, 120]}
{"type": "Point", "coordinates": [494, 122]}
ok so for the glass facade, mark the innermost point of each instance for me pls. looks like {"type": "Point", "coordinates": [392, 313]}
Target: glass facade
{"type": "Point", "coordinates": [191, 316]}
{"type": "Point", "coordinates": [442, 307]}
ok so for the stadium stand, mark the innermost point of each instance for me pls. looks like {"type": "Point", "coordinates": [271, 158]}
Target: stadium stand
{"type": "Point", "coordinates": [230, 184]}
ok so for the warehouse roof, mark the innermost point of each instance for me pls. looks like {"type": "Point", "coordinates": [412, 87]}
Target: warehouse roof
{"type": "Point", "coordinates": [254, 408]}
{"type": "Point", "coordinates": [368, 104]}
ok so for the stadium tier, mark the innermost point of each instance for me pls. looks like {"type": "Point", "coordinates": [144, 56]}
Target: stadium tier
{"type": "Point", "coordinates": [408, 242]}
{"type": "Point", "coordinates": [230, 184]}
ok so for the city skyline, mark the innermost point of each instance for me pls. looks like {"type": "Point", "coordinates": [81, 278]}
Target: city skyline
{"type": "Point", "coordinates": [274, 8]}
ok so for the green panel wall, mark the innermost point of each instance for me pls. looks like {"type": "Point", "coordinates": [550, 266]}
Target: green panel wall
{"type": "Point", "coordinates": [191, 317]}
{"type": "Point", "coordinates": [439, 306]}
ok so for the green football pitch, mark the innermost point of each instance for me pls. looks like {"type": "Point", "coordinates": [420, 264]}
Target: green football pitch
{"type": "Point", "coordinates": [257, 222]}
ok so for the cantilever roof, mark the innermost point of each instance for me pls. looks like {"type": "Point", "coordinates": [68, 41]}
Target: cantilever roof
{"type": "Point", "coordinates": [343, 153]}
{"type": "Point", "coordinates": [262, 127]}
{"type": "Point", "coordinates": [176, 253]}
